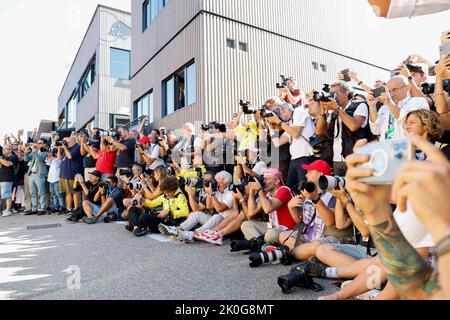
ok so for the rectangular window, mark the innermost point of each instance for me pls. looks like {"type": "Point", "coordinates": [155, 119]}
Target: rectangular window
{"type": "Point", "coordinates": [119, 64]}
{"type": "Point", "coordinates": [243, 46]}
{"type": "Point", "coordinates": [150, 10]}
{"type": "Point", "coordinates": [86, 80]}
{"type": "Point", "coordinates": [144, 107]}
{"type": "Point", "coordinates": [231, 44]}
{"type": "Point", "coordinates": [323, 68]}
{"type": "Point", "coordinates": [315, 66]}
{"type": "Point", "coordinates": [71, 110]}
{"type": "Point", "coordinates": [179, 90]}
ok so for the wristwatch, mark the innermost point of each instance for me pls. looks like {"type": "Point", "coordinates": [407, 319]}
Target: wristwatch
{"type": "Point", "coordinates": [443, 247]}
{"type": "Point", "coordinates": [318, 199]}
{"type": "Point", "coordinates": [360, 83]}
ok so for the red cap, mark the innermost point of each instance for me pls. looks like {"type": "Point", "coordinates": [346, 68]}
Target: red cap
{"type": "Point", "coordinates": [145, 139]}
{"type": "Point", "coordinates": [320, 166]}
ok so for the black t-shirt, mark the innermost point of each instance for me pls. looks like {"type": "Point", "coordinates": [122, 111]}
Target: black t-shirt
{"type": "Point", "coordinates": [126, 159]}
{"type": "Point", "coordinates": [92, 192]}
{"type": "Point", "coordinates": [446, 137]}
{"type": "Point", "coordinates": [117, 195]}
{"type": "Point", "coordinates": [7, 174]}
{"type": "Point", "coordinates": [89, 161]}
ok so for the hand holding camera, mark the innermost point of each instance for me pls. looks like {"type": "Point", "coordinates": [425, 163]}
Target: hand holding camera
{"type": "Point", "coordinates": [340, 194]}
{"type": "Point", "coordinates": [329, 105]}
{"type": "Point", "coordinates": [296, 202]}
{"type": "Point", "coordinates": [255, 186]}
{"type": "Point", "coordinates": [442, 67]}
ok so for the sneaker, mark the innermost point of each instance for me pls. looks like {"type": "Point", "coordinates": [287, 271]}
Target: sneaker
{"type": "Point", "coordinates": [30, 212]}
{"type": "Point", "coordinates": [369, 295]}
{"type": "Point", "coordinates": [90, 220]}
{"type": "Point", "coordinates": [140, 232]}
{"type": "Point", "coordinates": [72, 219]}
{"type": "Point", "coordinates": [13, 210]}
{"type": "Point", "coordinates": [42, 213]}
{"type": "Point", "coordinates": [129, 228]}
{"type": "Point", "coordinates": [217, 240]}
{"type": "Point", "coordinates": [168, 231]}
{"type": "Point", "coordinates": [186, 236]}
{"type": "Point", "coordinates": [6, 214]}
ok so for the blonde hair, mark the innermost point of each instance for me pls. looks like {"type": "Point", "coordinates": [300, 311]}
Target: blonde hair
{"type": "Point", "coordinates": [431, 122]}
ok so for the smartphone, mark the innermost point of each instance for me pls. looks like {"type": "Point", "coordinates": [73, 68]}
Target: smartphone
{"type": "Point", "coordinates": [346, 75]}
{"type": "Point", "coordinates": [444, 50]}
{"type": "Point", "coordinates": [394, 73]}
{"type": "Point", "coordinates": [378, 91]}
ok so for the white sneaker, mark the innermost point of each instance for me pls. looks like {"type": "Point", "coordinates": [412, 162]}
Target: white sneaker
{"type": "Point", "coordinates": [186, 236]}
{"type": "Point", "coordinates": [168, 231]}
{"type": "Point", "coordinates": [369, 295]}
{"type": "Point", "coordinates": [6, 214]}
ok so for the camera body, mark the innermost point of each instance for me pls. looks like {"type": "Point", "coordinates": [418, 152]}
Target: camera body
{"type": "Point", "coordinates": [61, 143]}
{"type": "Point", "coordinates": [324, 96]}
{"type": "Point", "coordinates": [307, 186]}
{"type": "Point", "coordinates": [378, 91]}
{"type": "Point", "coordinates": [212, 184]}
{"type": "Point", "coordinates": [247, 107]}
{"type": "Point", "coordinates": [125, 172]}
{"type": "Point", "coordinates": [298, 277]}
{"type": "Point", "coordinates": [386, 159]}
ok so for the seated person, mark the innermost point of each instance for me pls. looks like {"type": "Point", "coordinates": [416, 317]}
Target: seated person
{"type": "Point", "coordinates": [112, 197]}
{"type": "Point", "coordinates": [220, 201]}
{"type": "Point", "coordinates": [273, 201]}
{"type": "Point", "coordinates": [175, 210]}
{"type": "Point", "coordinates": [90, 191]}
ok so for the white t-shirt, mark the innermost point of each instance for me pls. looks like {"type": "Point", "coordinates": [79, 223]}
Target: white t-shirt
{"type": "Point", "coordinates": [317, 227]}
{"type": "Point", "coordinates": [154, 153]}
{"type": "Point", "coordinates": [53, 171]}
{"type": "Point", "coordinates": [363, 111]}
{"type": "Point", "coordinates": [380, 127]}
{"type": "Point", "coordinates": [300, 147]}
{"type": "Point", "coordinates": [413, 229]}
{"type": "Point", "coordinates": [227, 199]}
{"type": "Point", "coordinates": [260, 168]}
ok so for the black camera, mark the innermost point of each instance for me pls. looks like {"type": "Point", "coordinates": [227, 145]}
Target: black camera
{"type": "Point", "coordinates": [61, 143]}
{"type": "Point", "coordinates": [261, 181]}
{"type": "Point", "coordinates": [378, 91]}
{"type": "Point", "coordinates": [252, 245]}
{"type": "Point", "coordinates": [298, 277]}
{"type": "Point", "coordinates": [205, 127]}
{"type": "Point", "coordinates": [283, 83]}
{"type": "Point", "coordinates": [307, 186]}
{"type": "Point", "coordinates": [266, 113]}
{"type": "Point", "coordinates": [240, 187]}
{"type": "Point", "coordinates": [102, 184]}
{"type": "Point", "coordinates": [125, 172]}
{"type": "Point", "coordinates": [247, 108]}
{"type": "Point", "coordinates": [324, 96]}
{"type": "Point", "coordinates": [191, 182]}
{"type": "Point", "coordinates": [210, 184]}
{"type": "Point", "coordinates": [139, 145]}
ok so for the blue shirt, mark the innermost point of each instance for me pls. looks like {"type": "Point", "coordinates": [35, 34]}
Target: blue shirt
{"type": "Point", "coordinates": [71, 167]}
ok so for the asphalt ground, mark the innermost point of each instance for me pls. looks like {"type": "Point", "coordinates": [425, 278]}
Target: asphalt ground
{"type": "Point", "coordinates": [44, 264]}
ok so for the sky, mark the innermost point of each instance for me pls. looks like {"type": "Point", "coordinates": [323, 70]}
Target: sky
{"type": "Point", "coordinates": [40, 40]}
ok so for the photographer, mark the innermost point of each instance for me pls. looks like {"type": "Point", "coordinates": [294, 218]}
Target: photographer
{"type": "Point", "coordinates": [134, 181]}
{"type": "Point", "coordinates": [299, 128]}
{"type": "Point", "coordinates": [8, 160]}
{"type": "Point", "coordinates": [189, 150]}
{"type": "Point", "coordinates": [58, 203]}
{"type": "Point", "coordinates": [111, 196]}
{"type": "Point", "coordinates": [213, 146]}
{"type": "Point", "coordinates": [288, 91]}
{"type": "Point", "coordinates": [175, 210]}
{"type": "Point", "coordinates": [442, 101]}
{"type": "Point", "coordinates": [345, 123]}
{"type": "Point", "coordinates": [124, 148]}
{"type": "Point", "coordinates": [90, 190]}
{"type": "Point", "coordinates": [200, 214]}
{"type": "Point", "coordinates": [89, 162]}
{"type": "Point", "coordinates": [71, 165]}
{"type": "Point", "coordinates": [37, 173]}
{"type": "Point", "coordinates": [148, 151]}
{"type": "Point", "coordinates": [105, 158]}
{"type": "Point", "coordinates": [273, 201]}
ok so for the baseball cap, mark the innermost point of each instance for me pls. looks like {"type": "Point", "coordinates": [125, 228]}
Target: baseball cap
{"type": "Point", "coordinates": [96, 173]}
{"type": "Point", "coordinates": [320, 166]}
{"type": "Point", "coordinates": [274, 172]}
{"type": "Point", "coordinates": [144, 139]}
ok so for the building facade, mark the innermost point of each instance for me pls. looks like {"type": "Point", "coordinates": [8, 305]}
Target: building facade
{"type": "Point", "coordinates": [193, 60]}
{"type": "Point", "coordinates": [96, 92]}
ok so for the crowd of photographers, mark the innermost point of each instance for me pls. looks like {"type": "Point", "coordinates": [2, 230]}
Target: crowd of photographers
{"type": "Point", "coordinates": [349, 180]}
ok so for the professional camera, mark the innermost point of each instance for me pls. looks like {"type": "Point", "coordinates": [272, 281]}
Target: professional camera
{"type": "Point", "coordinates": [61, 143]}
{"type": "Point", "coordinates": [283, 83]}
{"type": "Point", "coordinates": [247, 108]}
{"type": "Point", "coordinates": [205, 127]}
{"type": "Point", "coordinates": [298, 277]}
{"type": "Point", "coordinates": [307, 186]}
{"type": "Point", "coordinates": [125, 172]}
{"type": "Point", "coordinates": [282, 254]}
{"type": "Point", "coordinates": [135, 186]}
{"type": "Point", "coordinates": [331, 182]}
{"type": "Point", "coordinates": [266, 113]}
{"type": "Point", "coordinates": [113, 133]}
{"type": "Point", "coordinates": [429, 88]}
{"type": "Point", "coordinates": [386, 159]}
{"type": "Point", "coordinates": [240, 187]}
{"type": "Point", "coordinates": [252, 245]}
{"type": "Point", "coordinates": [378, 91]}
{"type": "Point", "coordinates": [211, 183]}
{"type": "Point", "coordinates": [261, 181]}
{"type": "Point", "coordinates": [101, 184]}
{"type": "Point", "coordinates": [191, 182]}
{"type": "Point", "coordinates": [324, 96]}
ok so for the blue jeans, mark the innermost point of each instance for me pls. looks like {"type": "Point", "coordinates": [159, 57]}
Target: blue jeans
{"type": "Point", "coordinates": [37, 189]}
{"type": "Point", "coordinates": [57, 198]}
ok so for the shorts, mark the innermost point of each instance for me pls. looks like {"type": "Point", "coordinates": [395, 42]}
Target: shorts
{"type": "Point", "coordinates": [112, 210]}
{"type": "Point", "coordinates": [66, 186]}
{"type": "Point", "coordinates": [6, 189]}
{"type": "Point", "coordinates": [326, 240]}
{"type": "Point", "coordinates": [356, 251]}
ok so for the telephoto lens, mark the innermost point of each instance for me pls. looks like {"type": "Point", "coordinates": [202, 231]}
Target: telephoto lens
{"type": "Point", "coordinates": [331, 183]}
{"type": "Point", "coordinates": [259, 258]}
